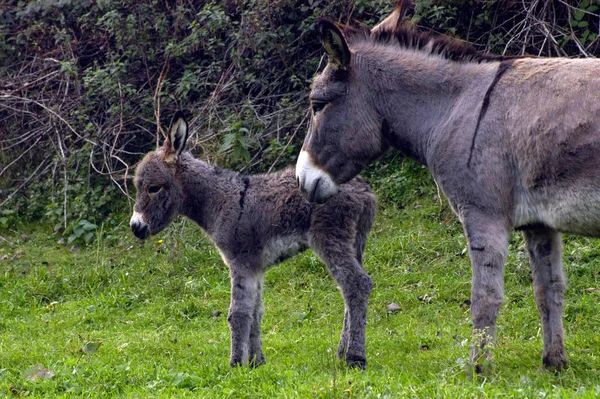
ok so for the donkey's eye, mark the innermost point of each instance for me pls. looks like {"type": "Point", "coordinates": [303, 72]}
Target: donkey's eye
{"type": "Point", "coordinates": [317, 106]}
{"type": "Point", "coordinates": [154, 189]}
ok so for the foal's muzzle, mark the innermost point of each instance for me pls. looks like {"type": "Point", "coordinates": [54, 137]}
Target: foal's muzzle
{"type": "Point", "coordinates": [139, 228]}
{"type": "Point", "coordinates": [315, 184]}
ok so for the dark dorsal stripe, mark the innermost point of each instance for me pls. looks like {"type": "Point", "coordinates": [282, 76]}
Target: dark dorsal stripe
{"type": "Point", "coordinates": [504, 66]}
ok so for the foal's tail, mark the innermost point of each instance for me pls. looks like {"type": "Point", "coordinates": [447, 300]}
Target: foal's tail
{"type": "Point", "coordinates": [365, 222]}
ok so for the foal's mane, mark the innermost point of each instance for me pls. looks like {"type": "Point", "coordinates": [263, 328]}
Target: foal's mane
{"type": "Point", "coordinates": [405, 36]}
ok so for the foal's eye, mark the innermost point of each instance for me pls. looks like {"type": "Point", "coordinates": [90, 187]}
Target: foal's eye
{"type": "Point", "coordinates": [154, 189]}
{"type": "Point", "coordinates": [317, 106]}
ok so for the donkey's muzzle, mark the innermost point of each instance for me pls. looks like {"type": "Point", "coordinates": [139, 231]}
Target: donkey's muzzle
{"type": "Point", "coordinates": [315, 184]}
{"type": "Point", "coordinates": [138, 226]}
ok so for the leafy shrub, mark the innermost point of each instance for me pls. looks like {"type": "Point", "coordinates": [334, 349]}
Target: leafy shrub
{"type": "Point", "coordinates": [87, 86]}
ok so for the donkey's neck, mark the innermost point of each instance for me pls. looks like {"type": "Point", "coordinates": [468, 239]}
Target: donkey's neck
{"type": "Point", "coordinates": [206, 190]}
{"type": "Point", "coordinates": [417, 94]}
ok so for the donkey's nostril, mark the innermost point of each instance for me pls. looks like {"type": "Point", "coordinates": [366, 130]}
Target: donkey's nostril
{"type": "Point", "coordinates": [140, 230]}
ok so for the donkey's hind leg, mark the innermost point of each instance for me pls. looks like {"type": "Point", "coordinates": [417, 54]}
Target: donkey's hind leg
{"type": "Point", "coordinates": [337, 251]}
{"type": "Point", "coordinates": [545, 249]}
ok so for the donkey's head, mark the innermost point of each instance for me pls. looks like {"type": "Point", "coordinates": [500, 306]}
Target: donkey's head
{"type": "Point", "coordinates": [159, 193]}
{"type": "Point", "coordinates": [345, 130]}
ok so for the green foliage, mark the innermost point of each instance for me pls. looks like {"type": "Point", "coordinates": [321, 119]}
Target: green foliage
{"type": "Point", "coordinates": [86, 86]}
{"type": "Point", "coordinates": [234, 140]}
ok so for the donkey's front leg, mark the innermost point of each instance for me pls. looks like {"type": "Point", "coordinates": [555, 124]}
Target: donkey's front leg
{"type": "Point", "coordinates": [256, 355]}
{"type": "Point", "coordinates": [241, 309]}
{"type": "Point", "coordinates": [487, 238]}
{"type": "Point", "coordinates": [545, 249]}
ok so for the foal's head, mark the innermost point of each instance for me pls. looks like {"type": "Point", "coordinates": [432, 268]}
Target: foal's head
{"type": "Point", "coordinates": [159, 193]}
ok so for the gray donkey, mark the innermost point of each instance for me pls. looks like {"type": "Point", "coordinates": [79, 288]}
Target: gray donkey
{"type": "Point", "coordinates": [512, 142]}
{"type": "Point", "coordinates": [258, 221]}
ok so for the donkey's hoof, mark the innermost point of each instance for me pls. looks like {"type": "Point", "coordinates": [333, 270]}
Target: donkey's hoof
{"type": "Point", "coordinates": [355, 361]}
{"type": "Point", "coordinates": [556, 362]}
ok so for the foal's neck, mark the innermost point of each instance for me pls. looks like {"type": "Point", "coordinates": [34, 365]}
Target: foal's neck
{"type": "Point", "coordinates": [418, 93]}
{"type": "Point", "coordinates": [206, 190]}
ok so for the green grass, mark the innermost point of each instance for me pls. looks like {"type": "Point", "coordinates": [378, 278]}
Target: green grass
{"type": "Point", "coordinates": [136, 320]}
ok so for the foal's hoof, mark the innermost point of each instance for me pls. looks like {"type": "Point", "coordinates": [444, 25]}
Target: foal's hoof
{"type": "Point", "coordinates": [257, 361]}
{"type": "Point", "coordinates": [483, 367]}
{"type": "Point", "coordinates": [354, 361]}
{"type": "Point", "coordinates": [556, 362]}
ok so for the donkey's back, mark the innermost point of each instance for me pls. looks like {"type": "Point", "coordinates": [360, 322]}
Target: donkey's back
{"type": "Point", "coordinates": [550, 117]}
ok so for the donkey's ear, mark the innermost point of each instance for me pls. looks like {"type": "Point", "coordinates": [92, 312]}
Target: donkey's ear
{"type": "Point", "coordinates": [334, 43]}
{"type": "Point", "coordinates": [394, 20]}
{"type": "Point", "coordinates": [177, 138]}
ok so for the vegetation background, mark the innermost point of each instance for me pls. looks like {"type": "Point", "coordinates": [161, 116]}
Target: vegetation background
{"type": "Point", "coordinates": [87, 87]}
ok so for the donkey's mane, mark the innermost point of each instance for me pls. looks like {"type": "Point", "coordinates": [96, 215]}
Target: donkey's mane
{"type": "Point", "coordinates": [407, 37]}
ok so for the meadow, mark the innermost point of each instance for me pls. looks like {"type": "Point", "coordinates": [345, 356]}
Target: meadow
{"type": "Point", "coordinates": [122, 318]}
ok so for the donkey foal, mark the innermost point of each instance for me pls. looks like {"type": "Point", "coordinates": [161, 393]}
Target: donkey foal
{"type": "Point", "coordinates": [256, 222]}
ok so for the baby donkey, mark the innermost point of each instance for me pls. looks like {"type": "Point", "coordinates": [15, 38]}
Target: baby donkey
{"type": "Point", "coordinates": [258, 221]}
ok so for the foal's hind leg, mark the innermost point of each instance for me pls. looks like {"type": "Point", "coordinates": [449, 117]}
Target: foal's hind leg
{"type": "Point", "coordinates": [256, 355]}
{"type": "Point", "coordinates": [337, 251]}
{"type": "Point", "coordinates": [545, 250]}
{"type": "Point", "coordinates": [488, 246]}
{"type": "Point", "coordinates": [365, 222]}
{"type": "Point", "coordinates": [241, 310]}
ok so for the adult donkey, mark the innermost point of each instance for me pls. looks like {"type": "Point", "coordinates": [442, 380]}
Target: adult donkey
{"type": "Point", "coordinates": [258, 221]}
{"type": "Point", "coordinates": [514, 143]}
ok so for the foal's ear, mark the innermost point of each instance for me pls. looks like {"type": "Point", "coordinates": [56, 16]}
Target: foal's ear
{"type": "Point", "coordinates": [334, 43]}
{"type": "Point", "coordinates": [394, 20]}
{"type": "Point", "coordinates": [177, 138]}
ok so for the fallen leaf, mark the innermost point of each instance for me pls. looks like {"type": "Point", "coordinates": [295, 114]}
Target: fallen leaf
{"type": "Point", "coordinates": [38, 372]}
{"type": "Point", "coordinates": [91, 347]}
{"type": "Point", "coordinates": [426, 298]}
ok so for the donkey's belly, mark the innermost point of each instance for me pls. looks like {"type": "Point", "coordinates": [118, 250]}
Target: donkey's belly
{"type": "Point", "coordinates": [281, 248]}
{"type": "Point", "coordinates": [567, 211]}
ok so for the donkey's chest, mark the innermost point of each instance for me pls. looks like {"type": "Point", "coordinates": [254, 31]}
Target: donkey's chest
{"type": "Point", "coordinates": [278, 249]}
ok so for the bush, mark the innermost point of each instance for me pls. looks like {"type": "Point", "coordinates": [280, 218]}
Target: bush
{"type": "Point", "coordinates": [86, 87]}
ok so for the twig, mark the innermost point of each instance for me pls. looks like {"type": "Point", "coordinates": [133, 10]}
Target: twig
{"type": "Point", "coordinates": [24, 183]}
{"type": "Point", "coordinates": [5, 240]}
{"type": "Point", "coordinates": [289, 142]}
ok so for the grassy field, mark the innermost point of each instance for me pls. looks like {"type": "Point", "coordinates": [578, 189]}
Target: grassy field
{"type": "Point", "coordinates": [120, 318]}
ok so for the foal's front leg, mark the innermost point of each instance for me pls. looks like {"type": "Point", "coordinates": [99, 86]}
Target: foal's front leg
{"type": "Point", "coordinates": [241, 311]}
{"type": "Point", "coordinates": [487, 238]}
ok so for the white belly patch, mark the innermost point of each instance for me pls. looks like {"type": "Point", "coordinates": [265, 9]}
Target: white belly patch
{"type": "Point", "coordinates": [280, 248]}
